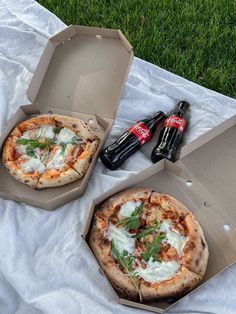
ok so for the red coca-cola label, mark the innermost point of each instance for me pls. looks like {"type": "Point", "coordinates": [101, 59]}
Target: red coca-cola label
{"type": "Point", "coordinates": [141, 132]}
{"type": "Point", "coordinates": [175, 122]}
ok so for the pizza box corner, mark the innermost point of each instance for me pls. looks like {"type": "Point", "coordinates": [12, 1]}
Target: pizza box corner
{"type": "Point", "coordinates": [81, 73]}
{"type": "Point", "coordinates": [204, 180]}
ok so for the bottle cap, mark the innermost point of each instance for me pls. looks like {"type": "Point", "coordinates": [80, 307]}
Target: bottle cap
{"type": "Point", "coordinates": [183, 104]}
{"type": "Point", "coordinates": [161, 114]}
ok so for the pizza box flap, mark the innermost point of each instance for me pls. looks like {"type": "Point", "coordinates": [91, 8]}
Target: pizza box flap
{"type": "Point", "coordinates": [212, 163]}
{"type": "Point", "coordinates": [82, 69]}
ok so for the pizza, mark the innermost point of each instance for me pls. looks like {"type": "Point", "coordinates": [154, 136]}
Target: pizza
{"type": "Point", "coordinates": [49, 150]}
{"type": "Point", "coordinates": [149, 245]}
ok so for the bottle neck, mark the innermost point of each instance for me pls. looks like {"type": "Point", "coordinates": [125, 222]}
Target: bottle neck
{"type": "Point", "coordinates": [154, 120]}
{"type": "Point", "coordinates": [182, 108]}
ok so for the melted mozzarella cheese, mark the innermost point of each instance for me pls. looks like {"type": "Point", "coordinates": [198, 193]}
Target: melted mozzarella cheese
{"type": "Point", "coordinates": [157, 272]}
{"type": "Point", "coordinates": [65, 136]}
{"type": "Point", "coordinates": [57, 161]}
{"type": "Point", "coordinates": [174, 238]}
{"type": "Point", "coordinates": [128, 208]}
{"type": "Point", "coordinates": [122, 239]}
{"type": "Point", "coordinates": [31, 165]}
{"type": "Point", "coordinates": [30, 134]}
{"type": "Point", "coordinates": [46, 131]}
{"type": "Point", "coordinates": [21, 149]}
{"type": "Point", "coordinates": [41, 154]}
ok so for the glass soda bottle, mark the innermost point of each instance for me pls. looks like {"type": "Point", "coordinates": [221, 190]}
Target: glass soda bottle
{"type": "Point", "coordinates": [130, 141]}
{"type": "Point", "coordinates": [171, 134]}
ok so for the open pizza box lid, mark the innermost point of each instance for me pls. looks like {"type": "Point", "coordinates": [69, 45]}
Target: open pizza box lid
{"type": "Point", "coordinates": [204, 179]}
{"type": "Point", "coordinates": [82, 69]}
{"type": "Point", "coordinates": [81, 73]}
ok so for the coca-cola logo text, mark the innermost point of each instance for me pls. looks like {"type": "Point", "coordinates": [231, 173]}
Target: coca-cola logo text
{"type": "Point", "coordinates": [175, 122]}
{"type": "Point", "coordinates": [141, 132]}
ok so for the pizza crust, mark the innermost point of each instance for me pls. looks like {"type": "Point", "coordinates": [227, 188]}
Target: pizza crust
{"type": "Point", "coordinates": [9, 149]}
{"type": "Point", "coordinates": [168, 203]}
{"type": "Point", "coordinates": [167, 207]}
{"type": "Point", "coordinates": [83, 162]}
{"type": "Point", "coordinates": [108, 208]}
{"type": "Point", "coordinates": [180, 284]}
{"type": "Point", "coordinates": [53, 178]}
{"type": "Point", "coordinates": [30, 179]}
{"type": "Point", "coordinates": [78, 126]}
{"type": "Point", "coordinates": [196, 250]}
{"type": "Point", "coordinates": [38, 121]}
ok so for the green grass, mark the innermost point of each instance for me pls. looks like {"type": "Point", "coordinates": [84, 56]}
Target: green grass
{"type": "Point", "coordinates": [192, 38]}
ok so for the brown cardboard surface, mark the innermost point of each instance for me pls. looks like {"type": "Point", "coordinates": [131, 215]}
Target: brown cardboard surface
{"type": "Point", "coordinates": [81, 73]}
{"type": "Point", "coordinates": [86, 72]}
{"type": "Point", "coordinates": [205, 181]}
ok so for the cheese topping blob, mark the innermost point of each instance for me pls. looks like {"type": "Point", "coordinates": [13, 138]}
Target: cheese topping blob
{"type": "Point", "coordinates": [156, 271]}
{"type": "Point", "coordinates": [174, 238]}
{"type": "Point", "coordinates": [33, 164]}
{"type": "Point", "coordinates": [122, 239]}
{"type": "Point", "coordinates": [128, 208]}
{"type": "Point", "coordinates": [30, 134]}
{"type": "Point", "coordinates": [21, 149]}
{"type": "Point", "coordinates": [46, 132]}
{"type": "Point", "coordinates": [57, 161]}
{"type": "Point", "coordinates": [65, 136]}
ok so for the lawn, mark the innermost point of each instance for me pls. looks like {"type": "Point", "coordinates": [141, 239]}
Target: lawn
{"type": "Point", "coordinates": [192, 38]}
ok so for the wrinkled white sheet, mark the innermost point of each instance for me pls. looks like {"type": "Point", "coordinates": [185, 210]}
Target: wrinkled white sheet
{"type": "Point", "coordinates": [44, 266]}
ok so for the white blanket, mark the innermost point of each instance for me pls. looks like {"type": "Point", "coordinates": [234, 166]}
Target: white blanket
{"type": "Point", "coordinates": [44, 266]}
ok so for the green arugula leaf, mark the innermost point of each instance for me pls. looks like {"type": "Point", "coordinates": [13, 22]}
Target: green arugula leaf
{"type": "Point", "coordinates": [63, 148]}
{"type": "Point", "coordinates": [124, 258]}
{"type": "Point", "coordinates": [22, 141]}
{"type": "Point", "coordinates": [28, 142]}
{"type": "Point", "coordinates": [132, 222]}
{"type": "Point", "coordinates": [145, 231]}
{"type": "Point", "coordinates": [31, 145]}
{"type": "Point", "coordinates": [126, 262]}
{"type": "Point", "coordinates": [154, 248]}
{"type": "Point", "coordinates": [56, 130]}
{"type": "Point", "coordinates": [46, 143]}
{"type": "Point", "coordinates": [31, 153]}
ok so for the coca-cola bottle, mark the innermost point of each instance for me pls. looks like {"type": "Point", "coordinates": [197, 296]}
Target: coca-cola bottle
{"type": "Point", "coordinates": [171, 134]}
{"type": "Point", "coordinates": [129, 142]}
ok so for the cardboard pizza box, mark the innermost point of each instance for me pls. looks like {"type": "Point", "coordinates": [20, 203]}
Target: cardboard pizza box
{"type": "Point", "coordinates": [81, 73]}
{"type": "Point", "coordinates": [204, 179]}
